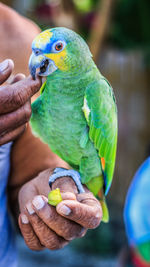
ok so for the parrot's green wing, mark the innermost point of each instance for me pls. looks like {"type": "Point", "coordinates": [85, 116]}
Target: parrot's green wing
{"type": "Point", "coordinates": [101, 114]}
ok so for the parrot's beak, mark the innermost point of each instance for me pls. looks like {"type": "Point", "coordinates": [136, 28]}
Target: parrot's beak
{"type": "Point", "coordinates": [41, 65]}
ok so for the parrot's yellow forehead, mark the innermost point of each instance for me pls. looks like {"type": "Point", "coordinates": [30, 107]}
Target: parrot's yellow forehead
{"type": "Point", "coordinates": [43, 38]}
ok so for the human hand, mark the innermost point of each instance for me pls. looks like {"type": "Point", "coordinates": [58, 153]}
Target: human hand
{"type": "Point", "coordinates": [15, 107]}
{"type": "Point", "coordinates": [44, 226]}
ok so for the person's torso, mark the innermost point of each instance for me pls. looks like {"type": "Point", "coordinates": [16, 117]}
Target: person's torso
{"type": "Point", "coordinates": [7, 246]}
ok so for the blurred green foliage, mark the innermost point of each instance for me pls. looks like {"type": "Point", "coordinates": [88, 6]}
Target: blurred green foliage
{"type": "Point", "coordinates": [85, 5]}
{"type": "Point", "coordinates": [131, 24]}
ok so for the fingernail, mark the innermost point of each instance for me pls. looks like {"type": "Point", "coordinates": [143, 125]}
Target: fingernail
{"type": "Point", "coordinates": [30, 209]}
{"type": "Point", "coordinates": [82, 232]}
{"type": "Point", "coordinates": [38, 202]}
{"type": "Point", "coordinates": [65, 210]}
{"type": "Point", "coordinates": [24, 219]}
{"type": "Point", "coordinates": [4, 65]}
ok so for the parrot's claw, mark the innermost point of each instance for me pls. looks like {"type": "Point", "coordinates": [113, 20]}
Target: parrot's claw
{"type": "Point", "coordinates": [61, 172]}
{"type": "Point", "coordinates": [58, 170]}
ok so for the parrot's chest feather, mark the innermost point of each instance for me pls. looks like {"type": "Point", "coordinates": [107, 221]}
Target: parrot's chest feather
{"type": "Point", "coordinates": [64, 121]}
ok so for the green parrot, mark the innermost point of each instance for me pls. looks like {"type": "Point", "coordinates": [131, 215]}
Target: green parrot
{"type": "Point", "coordinates": [76, 113]}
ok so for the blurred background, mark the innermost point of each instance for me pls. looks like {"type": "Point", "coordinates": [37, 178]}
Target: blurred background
{"type": "Point", "coordinates": [118, 34]}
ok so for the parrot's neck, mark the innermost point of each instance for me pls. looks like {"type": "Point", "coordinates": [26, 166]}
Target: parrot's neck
{"type": "Point", "coordinates": [70, 84]}
{"type": "Point", "coordinates": [82, 68]}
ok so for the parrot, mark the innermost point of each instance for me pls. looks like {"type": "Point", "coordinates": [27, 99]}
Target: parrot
{"type": "Point", "coordinates": [76, 112]}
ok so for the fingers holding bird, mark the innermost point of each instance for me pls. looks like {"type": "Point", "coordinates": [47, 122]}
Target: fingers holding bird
{"type": "Point", "coordinates": [37, 234]}
{"type": "Point", "coordinates": [86, 211]}
{"type": "Point", "coordinates": [41, 222]}
{"type": "Point", "coordinates": [15, 106]}
{"type": "Point", "coordinates": [43, 225]}
{"type": "Point", "coordinates": [28, 233]}
{"type": "Point", "coordinates": [39, 231]}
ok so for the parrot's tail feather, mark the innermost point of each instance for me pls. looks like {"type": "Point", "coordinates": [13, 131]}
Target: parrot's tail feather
{"type": "Point", "coordinates": [105, 217]}
{"type": "Point", "coordinates": [103, 203]}
{"type": "Point", "coordinates": [96, 186]}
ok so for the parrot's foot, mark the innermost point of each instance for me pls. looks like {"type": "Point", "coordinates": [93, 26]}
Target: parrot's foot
{"type": "Point", "coordinates": [61, 172]}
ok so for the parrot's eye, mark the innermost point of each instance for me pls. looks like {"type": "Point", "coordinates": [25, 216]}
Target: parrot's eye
{"type": "Point", "coordinates": [37, 52]}
{"type": "Point", "coordinates": [59, 46]}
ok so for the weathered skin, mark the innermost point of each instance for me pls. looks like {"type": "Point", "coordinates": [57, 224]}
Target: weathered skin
{"type": "Point", "coordinates": [76, 113]}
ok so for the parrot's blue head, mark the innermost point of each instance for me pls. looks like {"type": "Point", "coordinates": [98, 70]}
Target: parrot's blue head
{"type": "Point", "coordinates": [58, 49]}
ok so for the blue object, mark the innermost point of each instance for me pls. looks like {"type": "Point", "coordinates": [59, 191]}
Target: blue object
{"type": "Point", "coordinates": [7, 244]}
{"type": "Point", "coordinates": [61, 172]}
{"type": "Point", "coordinates": [137, 207]}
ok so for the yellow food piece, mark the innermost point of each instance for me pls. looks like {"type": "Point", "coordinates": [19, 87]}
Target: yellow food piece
{"type": "Point", "coordinates": [54, 197]}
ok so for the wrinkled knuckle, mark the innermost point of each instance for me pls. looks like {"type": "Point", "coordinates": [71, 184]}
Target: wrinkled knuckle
{"type": "Point", "coordinates": [80, 215]}
{"type": "Point", "coordinates": [2, 77]}
{"type": "Point", "coordinates": [22, 129]}
{"type": "Point", "coordinates": [27, 113]}
{"type": "Point", "coordinates": [40, 227]}
{"type": "Point", "coordinates": [33, 244]}
{"type": "Point", "coordinates": [30, 239]}
{"type": "Point", "coordinates": [95, 220]}
{"type": "Point", "coordinates": [2, 132]}
{"type": "Point", "coordinates": [51, 243]}
{"type": "Point", "coordinates": [18, 99]}
{"type": "Point", "coordinates": [69, 233]}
